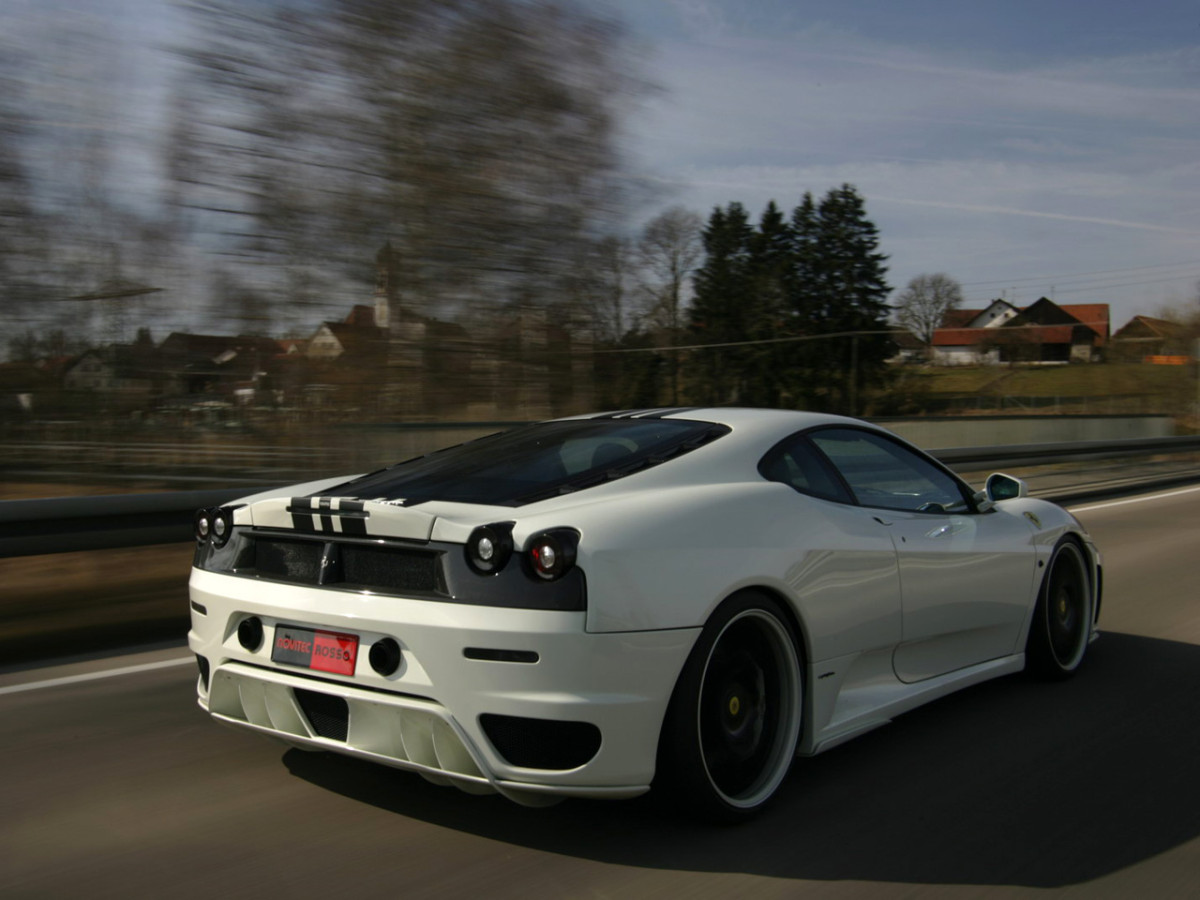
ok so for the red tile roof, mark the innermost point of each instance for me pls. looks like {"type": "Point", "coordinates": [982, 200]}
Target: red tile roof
{"type": "Point", "coordinates": [1092, 315]}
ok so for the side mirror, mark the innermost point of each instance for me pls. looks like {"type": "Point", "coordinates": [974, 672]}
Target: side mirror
{"type": "Point", "coordinates": [1005, 487]}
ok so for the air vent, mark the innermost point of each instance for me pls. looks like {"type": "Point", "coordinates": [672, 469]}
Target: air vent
{"type": "Point", "coordinates": [541, 743]}
{"type": "Point", "coordinates": [328, 715]}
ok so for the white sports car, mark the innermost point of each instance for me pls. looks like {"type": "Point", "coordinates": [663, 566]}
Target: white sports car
{"type": "Point", "coordinates": [683, 598]}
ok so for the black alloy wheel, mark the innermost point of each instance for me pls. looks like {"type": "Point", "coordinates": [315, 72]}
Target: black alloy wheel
{"type": "Point", "coordinates": [1062, 619]}
{"type": "Point", "coordinates": [734, 719]}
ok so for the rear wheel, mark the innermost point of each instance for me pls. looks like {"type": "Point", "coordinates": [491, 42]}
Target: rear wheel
{"type": "Point", "coordinates": [1062, 619]}
{"type": "Point", "coordinates": [731, 728]}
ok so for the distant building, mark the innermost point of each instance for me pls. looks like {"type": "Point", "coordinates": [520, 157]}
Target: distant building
{"type": "Point", "coordinates": [127, 374]}
{"type": "Point", "coordinates": [1143, 337]}
{"type": "Point", "coordinates": [1043, 332]}
{"type": "Point", "coordinates": [357, 335]}
{"type": "Point", "coordinates": [206, 367]}
{"type": "Point", "coordinates": [512, 362]}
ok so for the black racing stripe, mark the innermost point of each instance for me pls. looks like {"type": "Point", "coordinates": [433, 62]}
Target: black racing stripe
{"type": "Point", "coordinates": [354, 526]}
{"type": "Point", "coordinates": [326, 518]}
{"type": "Point", "coordinates": [351, 509]}
{"type": "Point", "coordinates": [301, 520]}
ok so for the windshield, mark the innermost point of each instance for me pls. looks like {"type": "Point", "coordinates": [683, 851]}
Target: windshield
{"type": "Point", "coordinates": [534, 462]}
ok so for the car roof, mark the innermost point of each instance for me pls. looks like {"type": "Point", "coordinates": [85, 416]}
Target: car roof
{"type": "Point", "coordinates": [736, 417]}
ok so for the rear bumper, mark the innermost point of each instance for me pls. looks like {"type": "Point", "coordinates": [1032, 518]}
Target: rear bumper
{"type": "Point", "coordinates": [429, 715]}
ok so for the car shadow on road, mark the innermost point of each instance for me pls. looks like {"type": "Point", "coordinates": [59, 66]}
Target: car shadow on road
{"type": "Point", "coordinates": [1013, 782]}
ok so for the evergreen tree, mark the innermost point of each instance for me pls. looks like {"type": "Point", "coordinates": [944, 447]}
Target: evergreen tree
{"type": "Point", "coordinates": [772, 255]}
{"type": "Point", "coordinates": [837, 286]}
{"type": "Point", "coordinates": [723, 293]}
{"type": "Point", "coordinates": [818, 276]}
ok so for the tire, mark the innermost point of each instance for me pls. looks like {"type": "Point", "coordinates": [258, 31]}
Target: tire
{"type": "Point", "coordinates": [1062, 619]}
{"type": "Point", "coordinates": [730, 732]}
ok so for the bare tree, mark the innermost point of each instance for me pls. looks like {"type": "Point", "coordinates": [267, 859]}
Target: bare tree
{"type": "Point", "coordinates": [16, 213]}
{"type": "Point", "coordinates": [923, 304]}
{"type": "Point", "coordinates": [669, 251]}
{"type": "Point", "coordinates": [76, 218]}
{"type": "Point", "coordinates": [609, 273]}
{"type": "Point", "coordinates": [476, 136]}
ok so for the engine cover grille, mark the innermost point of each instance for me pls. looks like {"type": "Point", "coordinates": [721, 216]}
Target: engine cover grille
{"type": "Point", "coordinates": [328, 715]}
{"type": "Point", "coordinates": [385, 568]}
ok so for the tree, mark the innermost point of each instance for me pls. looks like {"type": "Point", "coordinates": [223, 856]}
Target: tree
{"type": "Point", "coordinates": [17, 224]}
{"type": "Point", "coordinates": [923, 304]}
{"type": "Point", "coordinates": [838, 289]}
{"type": "Point", "coordinates": [30, 346]}
{"type": "Point", "coordinates": [668, 252]}
{"type": "Point", "coordinates": [607, 275]}
{"type": "Point", "coordinates": [772, 258]}
{"type": "Point", "coordinates": [817, 278]}
{"type": "Point", "coordinates": [76, 219]}
{"type": "Point", "coordinates": [723, 290]}
{"type": "Point", "coordinates": [477, 136]}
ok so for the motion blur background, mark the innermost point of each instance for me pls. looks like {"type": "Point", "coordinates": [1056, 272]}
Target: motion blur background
{"type": "Point", "coordinates": [256, 241]}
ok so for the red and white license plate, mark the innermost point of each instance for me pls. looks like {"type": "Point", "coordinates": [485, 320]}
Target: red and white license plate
{"type": "Point", "coordinates": [311, 648]}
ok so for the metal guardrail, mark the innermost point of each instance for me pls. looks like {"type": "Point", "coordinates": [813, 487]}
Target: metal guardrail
{"type": "Point", "coordinates": [1077, 451]}
{"type": "Point", "coordinates": [65, 524]}
{"type": "Point", "coordinates": [34, 527]}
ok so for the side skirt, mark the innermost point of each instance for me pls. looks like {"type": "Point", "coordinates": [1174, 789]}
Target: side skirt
{"type": "Point", "coordinates": [863, 706]}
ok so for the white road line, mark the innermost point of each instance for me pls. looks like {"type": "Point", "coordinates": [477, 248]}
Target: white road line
{"type": "Point", "coordinates": [96, 676]}
{"type": "Point", "coordinates": [1112, 503]}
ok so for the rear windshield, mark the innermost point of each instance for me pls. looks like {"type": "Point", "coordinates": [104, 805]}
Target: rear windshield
{"type": "Point", "coordinates": [534, 462]}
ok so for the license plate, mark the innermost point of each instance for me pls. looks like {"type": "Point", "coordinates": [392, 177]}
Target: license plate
{"type": "Point", "coordinates": [311, 648]}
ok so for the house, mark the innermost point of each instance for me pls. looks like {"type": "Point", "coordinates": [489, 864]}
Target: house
{"type": "Point", "coordinates": [909, 347]}
{"type": "Point", "coordinates": [389, 359]}
{"type": "Point", "coordinates": [1143, 337]}
{"type": "Point", "coordinates": [357, 335]}
{"type": "Point", "coordinates": [1043, 332]}
{"type": "Point", "coordinates": [21, 384]}
{"type": "Point", "coordinates": [125, 374]}
{"type": "Point", "coordinates": [212, 367]}
{"type": "Point", "coordinates": [963, 338]}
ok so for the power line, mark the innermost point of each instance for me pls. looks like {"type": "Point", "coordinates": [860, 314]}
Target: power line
{"type": "Point", "coordinates": [1099, 286]}
{"type": "Point", "coordinates": [1057, 278]}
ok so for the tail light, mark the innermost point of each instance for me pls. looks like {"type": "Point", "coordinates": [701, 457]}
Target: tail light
{"type": "Point", "coordinates": [489, 547]}
{"type": "Point", "coordinates": [551, 554]}
{"type": "Point", "coordinates": [213, 526]}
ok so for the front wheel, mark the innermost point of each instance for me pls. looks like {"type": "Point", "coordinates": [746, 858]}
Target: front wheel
{"type": "Point", "coordinates": [1062, 618]}
{"type": "Point", "coordinates": [734, 719]}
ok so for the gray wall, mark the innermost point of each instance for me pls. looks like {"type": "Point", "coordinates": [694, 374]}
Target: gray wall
{"type": "Point", "coordinates": [989, 431]}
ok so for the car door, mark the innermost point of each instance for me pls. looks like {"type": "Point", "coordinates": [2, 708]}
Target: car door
{"type": "Point", "coordinates": [843, 569]}
{"type": "Point", "coordinates": [965, 576]}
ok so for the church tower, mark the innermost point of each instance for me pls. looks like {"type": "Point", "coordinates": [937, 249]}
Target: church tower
{"type": "Point", "coordinates": [387, 285]}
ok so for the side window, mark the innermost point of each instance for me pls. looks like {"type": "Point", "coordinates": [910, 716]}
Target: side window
{"type": "Point", "coordinates": [798, 464]}
{"type": "Point", "coordinates": [886, 474]}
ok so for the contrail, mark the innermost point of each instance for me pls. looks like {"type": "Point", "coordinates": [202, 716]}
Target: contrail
{"type": "Point", "coordinates": [1009, 211]}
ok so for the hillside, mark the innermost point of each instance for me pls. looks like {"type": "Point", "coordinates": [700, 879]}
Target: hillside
{"type": "Point", "coordinates": [1116, 388]}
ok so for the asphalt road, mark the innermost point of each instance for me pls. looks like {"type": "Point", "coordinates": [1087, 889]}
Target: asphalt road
{"type": "Point", "coordinates": [120, 787]}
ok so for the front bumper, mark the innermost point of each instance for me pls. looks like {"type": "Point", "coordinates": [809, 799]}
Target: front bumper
{"type": "Point", "coordinates": [429, 716]}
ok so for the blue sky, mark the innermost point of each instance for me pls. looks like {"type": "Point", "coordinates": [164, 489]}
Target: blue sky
{"type": "Point", "coordinates": [1024, 148]}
